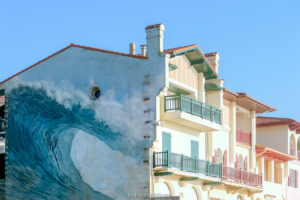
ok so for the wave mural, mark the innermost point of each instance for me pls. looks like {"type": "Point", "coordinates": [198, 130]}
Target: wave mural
{"type": "Point", "coordinates": [62, 145]}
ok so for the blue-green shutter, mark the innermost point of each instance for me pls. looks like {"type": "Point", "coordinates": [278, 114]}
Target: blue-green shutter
{"type": "Point", "coordinates": [194, 149]}
{"type": "Point", "coordinates": [166, 142]}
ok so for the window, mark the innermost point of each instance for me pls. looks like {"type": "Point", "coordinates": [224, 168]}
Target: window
{"type": "Point", "coordinates": [298, 149]}
{"type": "Point", "coordinates": [293, 178]}
{"type": "Point", "coordinates": [241, 162]}
{"type": "Point", "coordinates": [277, 173]}
{"type": "Point", "coordinates": [266, 172]}
{"type": "Point", "coordinates": [219, 156]}
{"type": "Point", "coordinates": [225, 158]}
{"type": "Point", "coordinates": [95, 92]}
{"type": "Point", "coordinates": [292, 145]}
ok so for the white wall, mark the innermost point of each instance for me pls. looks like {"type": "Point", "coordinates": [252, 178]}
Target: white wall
{"type": "Point", "coordinates": [181, 139]}
{"type": "Point", "coordinates": [220, 140]}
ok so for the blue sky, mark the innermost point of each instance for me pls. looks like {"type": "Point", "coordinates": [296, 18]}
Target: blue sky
{"type": "Point", "coordinates": [258, 41]}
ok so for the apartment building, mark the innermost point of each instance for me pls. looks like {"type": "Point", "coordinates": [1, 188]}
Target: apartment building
{"type": "Point", "coordinates": [205, 143]}
{"type": "Point", "coordinates": [278, 157]}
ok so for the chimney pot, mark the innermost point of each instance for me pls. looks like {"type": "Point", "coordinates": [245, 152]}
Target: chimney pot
{"type": "Point", "coordinates": [132, 48]}
{"type": "Point", "coordinates": [143, 50]}
{"type": "Point", "coordinates": [213, 59]}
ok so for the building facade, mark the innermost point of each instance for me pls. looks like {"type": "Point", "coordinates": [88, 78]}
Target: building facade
{"type": "Point", "coordinates": [279, 157]}
{"type": "Point", "coordinates": [199, 151]}
{"type": "Point", "coordinates": [88, 123]}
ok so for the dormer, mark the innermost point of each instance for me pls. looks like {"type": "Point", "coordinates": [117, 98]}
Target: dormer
{"type": "Point", "coordinates": [191, 73]}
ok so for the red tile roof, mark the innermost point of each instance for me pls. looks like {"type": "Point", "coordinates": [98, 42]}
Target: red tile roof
{"type": "Point", "coordinates": [276, 121]}
{"type": "Point", "coordinates": [242, 99]}
{"type": "Point", "coordinates": [210, 54]}
{"type": "Point", "coordinates": [79, 46]}
{"type": "Point", "coordinates": [107, 51]}
{"type": "Point", "coordinates": [178, 49]}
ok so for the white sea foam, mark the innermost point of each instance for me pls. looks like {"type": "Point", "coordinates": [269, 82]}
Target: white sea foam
{"type": "Point", "coordinates": [127, 117]}
{"type": "Point", "coordinates": [105, 170]}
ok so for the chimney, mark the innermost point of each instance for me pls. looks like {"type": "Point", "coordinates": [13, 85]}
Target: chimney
{"type": "Point", "coordinates": [155, 39]}
{"type": "Point", "coordinates": [213, 59]}
{"type": "Point", "coordinates": [132, 48]}
{"type": "Point", "coordinates": [143, 50]}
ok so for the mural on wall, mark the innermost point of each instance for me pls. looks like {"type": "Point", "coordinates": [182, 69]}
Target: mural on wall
{"type": "Point", "coordinates": [64, 143]}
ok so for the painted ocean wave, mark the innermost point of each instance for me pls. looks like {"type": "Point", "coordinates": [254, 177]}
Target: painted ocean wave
{"type": "Point", "coordinates": [40, 137]}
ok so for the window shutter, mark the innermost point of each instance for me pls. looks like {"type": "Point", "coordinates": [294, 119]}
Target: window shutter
{"type": "Point", "coordinates": [246, 164]}
{"type": "Point", "coordinates": [236, 165]}
{"type": "Point", "coordinates": [296, 178]}
{"type": "Point", "coordinates": [291, 148]}
{"type": "Point", "coordinates": [214, 157]}
{"type": "Point", "coordinates": [225, 158]}
{"type": "Point", "coordinates": [194, 149]}
{"type": "Point", "coordinates": [166, 142]}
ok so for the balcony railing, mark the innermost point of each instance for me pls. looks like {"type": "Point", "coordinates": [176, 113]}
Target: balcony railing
{"type": "Point", "coordinates": [243, 137]}
{"type": "Point", "coordinates": [185, 163]}
{"type": "Point", "coordinates": [241, 176]}
{"type": "Point", "coordinates": [192, 106]}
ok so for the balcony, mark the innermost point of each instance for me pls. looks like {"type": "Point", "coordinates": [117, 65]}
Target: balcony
{"type": "Point", "coordinates": [190, 112]}
{"type": "Point", "coordinates": [186, 164]}
{"type": "Point", "coordinates": [241, 177]}
{"type": "Point", "coordinates": [243, 137]}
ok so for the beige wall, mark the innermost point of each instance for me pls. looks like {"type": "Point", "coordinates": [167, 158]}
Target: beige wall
{"type": "Point", "coordinates": [226, 114]}
{"type": "Point", "coordinates": [275, 137]}
{"type": "Point", "coordinates": [243, 122]}
{"type": "Point", "coordinates": [184, 72]}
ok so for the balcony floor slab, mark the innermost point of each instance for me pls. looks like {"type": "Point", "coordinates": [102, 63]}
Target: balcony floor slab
{"type": "Point", "coordinates": [178, 172]}
{"type": "Point", "coordinates": [236, 185]}
{"type": "Point", "coordinates": [192, 121]}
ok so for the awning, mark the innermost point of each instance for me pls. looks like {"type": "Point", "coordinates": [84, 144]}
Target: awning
{"type": "Point", "coordinates": [272, 154]}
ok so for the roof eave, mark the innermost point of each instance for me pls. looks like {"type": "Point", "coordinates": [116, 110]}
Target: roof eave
{"type": "Point", "coordinates": [67, 47]}
{"type": "Point", "coordinates": [190, 48]}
